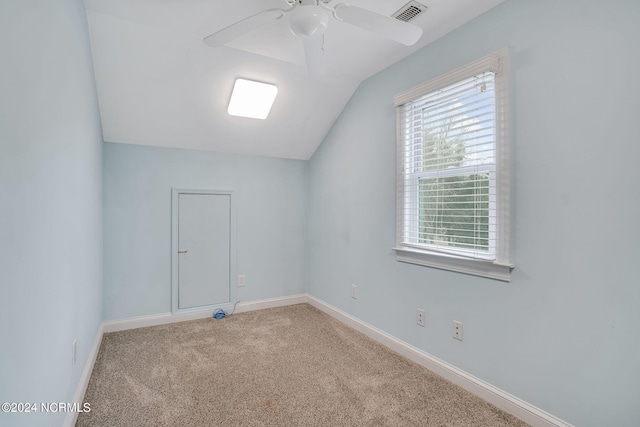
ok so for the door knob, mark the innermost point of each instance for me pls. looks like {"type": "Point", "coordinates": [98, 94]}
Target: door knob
{"type": "Point", "coordinates": [182, 252]}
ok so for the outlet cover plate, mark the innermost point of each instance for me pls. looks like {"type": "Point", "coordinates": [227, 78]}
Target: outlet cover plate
{"type": "Point", "coordinates": [457, 330]}
{"type": "Point", "coordinates": [420, 317]}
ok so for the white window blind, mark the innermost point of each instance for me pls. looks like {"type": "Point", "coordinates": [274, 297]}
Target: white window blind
{"type": "Point", "coordinates": [449, 168]}
{"type": "Point", "coordinates": [452, 192]}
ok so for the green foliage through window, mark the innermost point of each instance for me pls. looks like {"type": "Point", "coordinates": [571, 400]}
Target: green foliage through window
{"type": "Point", "coordinates": [454, 211]}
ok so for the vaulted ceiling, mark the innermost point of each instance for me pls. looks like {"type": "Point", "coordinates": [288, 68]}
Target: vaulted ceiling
{"type": "Point", "coordinates": [159, 84]}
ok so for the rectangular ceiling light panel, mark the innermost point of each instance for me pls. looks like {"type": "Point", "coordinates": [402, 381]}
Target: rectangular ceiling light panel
{"type": "Point", "coordinates": [252, 99]}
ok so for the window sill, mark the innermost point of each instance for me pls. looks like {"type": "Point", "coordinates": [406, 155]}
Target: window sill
{"type": "Point", "coordinates": [474, 267]}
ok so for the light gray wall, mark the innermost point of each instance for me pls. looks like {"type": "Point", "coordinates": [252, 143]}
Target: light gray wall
{"type": "Point", "coordinates": [564, 335]}
{"type": "Point", "coordinates": [50, 204]}
{"type": "Point", "coordinates": [270, 199]}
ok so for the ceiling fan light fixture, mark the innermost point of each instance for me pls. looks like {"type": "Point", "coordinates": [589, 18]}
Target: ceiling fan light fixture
{"type": "Point", "coordinates": [252, 99]}
{"type": "Point", "coordinates": [308, 20]}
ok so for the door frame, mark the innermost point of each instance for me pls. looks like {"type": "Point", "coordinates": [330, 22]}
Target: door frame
{"type": "Point", "coordinates": [233, 290]}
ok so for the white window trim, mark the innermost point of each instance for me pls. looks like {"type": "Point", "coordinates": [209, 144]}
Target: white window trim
{"type": "Point", "coordinates": [500, 268]}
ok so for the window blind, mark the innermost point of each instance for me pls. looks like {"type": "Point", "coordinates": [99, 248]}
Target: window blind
{"type": "Point", "coordinates": [448, 158]}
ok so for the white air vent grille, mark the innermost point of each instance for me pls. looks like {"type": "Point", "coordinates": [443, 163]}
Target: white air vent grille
{"type": "Point", "coordinates": [409, 11]}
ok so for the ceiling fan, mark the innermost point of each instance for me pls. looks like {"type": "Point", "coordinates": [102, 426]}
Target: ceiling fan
{"type": "Point", "coordinates": [308, 19]}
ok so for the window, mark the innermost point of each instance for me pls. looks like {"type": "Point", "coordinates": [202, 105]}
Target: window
{"type": "Point", "coordinates": [453, 171]}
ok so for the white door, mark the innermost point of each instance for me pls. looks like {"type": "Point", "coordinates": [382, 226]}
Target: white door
{"type": "Point", "coordinates": [203, 249]}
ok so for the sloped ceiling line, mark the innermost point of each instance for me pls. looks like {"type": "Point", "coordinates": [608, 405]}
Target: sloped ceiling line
{"type": "Point", "coordinates": [160, 85]}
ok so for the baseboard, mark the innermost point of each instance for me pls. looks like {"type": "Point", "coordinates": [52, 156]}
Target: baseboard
{"type": "Point", "coordinates": [166, 318]}
{"type": "Point", "coordinates": [160, 319]}
{"type": "Point", "coordinates": [83, 382]}
{"type": "Point", "coordinates": [151, 320]}
{"type": "Point", "coordinates": [271, 303]}
{"type": "Point", "coordinates": [503, 400]}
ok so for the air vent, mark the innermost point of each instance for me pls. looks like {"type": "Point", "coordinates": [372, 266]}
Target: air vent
{"type": "Point", "coordinates": [409, 11]}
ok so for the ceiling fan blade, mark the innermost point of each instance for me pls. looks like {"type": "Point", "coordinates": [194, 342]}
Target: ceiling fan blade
{"type": "Point", "coordinates": [400, 31]}
{"type": "Point", "coordinates": [241, 27]}
{"type": "Point", "coordinates": [314, 54]}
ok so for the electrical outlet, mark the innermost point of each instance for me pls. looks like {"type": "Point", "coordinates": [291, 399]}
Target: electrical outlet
{"type": "Point", "coordinates": [74, 353]}
{"type": "Point", "coordinates": [420, 317]}
{"type": "Point", "coordinates": [457, 330]}
{"type": "Point", "coordinates": [241, 280]}
{"type": "Point", "coordinates": [354, 291]}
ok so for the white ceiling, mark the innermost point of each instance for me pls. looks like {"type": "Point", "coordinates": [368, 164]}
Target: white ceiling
{"type": "Point", "coordinates": [159, 84]}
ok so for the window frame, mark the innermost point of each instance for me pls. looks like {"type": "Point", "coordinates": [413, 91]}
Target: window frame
{"type": "Point", "coordinates": [456, 260]}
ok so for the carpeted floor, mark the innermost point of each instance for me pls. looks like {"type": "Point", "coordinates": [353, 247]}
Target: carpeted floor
{"type": "Point", "coordinates": [289, 366]}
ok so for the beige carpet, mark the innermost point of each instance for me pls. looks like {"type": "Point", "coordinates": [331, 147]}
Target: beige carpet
{"type": "Point", "coordinates": [289, 366]}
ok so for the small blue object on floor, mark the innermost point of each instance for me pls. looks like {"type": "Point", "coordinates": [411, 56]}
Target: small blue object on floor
{"type": "Point", "coordinates": [219, 314]}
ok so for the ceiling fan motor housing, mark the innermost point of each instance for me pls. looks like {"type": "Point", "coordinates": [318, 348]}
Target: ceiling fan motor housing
{"type": "Point", "coordinates": [308, 20]}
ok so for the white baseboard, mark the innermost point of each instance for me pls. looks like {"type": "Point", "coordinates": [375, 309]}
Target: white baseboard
{"type": "Point", "coordinates": [152, 320]}
{"type": "Point", "coordinates": [160, 319]}
{"type": "Point", "coordinates": [83, 382]}
{"type": "Point", "coordinates": [503, 400]}
{"type": "Point", "coordinates": [271, 303]}
{"type": "Point", "coordinates": [166, 318]}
